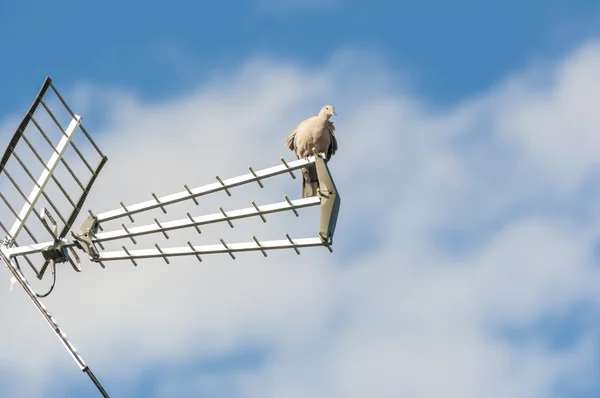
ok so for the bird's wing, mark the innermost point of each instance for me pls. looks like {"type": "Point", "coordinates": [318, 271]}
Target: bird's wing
{"type": "Point", "coordinates": [331, 126]}
{"type": "Point", "coordinates": [333, 145]}
{"type": "Point", "coordinates": [290, 142]}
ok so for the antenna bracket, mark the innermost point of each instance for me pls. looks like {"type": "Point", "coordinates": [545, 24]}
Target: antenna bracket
{"type": "Point", "coordinates": [55, 252]}
{"type": "Point", "coordinates": [83, 238]}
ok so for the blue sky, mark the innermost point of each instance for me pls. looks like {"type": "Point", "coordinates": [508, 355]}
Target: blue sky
{"type": "Point", "coordinates": [449, 50]}
{"type": "Point", "coordinates": [468, 164]}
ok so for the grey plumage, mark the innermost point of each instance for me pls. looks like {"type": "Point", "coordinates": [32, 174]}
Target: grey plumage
{"type": "Point", "coordinates": [315, 132]}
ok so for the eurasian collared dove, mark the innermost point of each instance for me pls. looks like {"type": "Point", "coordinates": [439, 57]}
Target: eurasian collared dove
{"type": "Point", "coordinates": [315, 132]}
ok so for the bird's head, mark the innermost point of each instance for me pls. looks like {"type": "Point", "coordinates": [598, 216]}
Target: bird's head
{"type": "Point", "coordinates": [327, 111]}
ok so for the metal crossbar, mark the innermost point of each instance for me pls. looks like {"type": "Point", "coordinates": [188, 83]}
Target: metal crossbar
{"type": "Point", "coordinates": [223, 248]}
{"type": "Point", "coordinates": [38, 189]}
{"type": "Point", "coordinates": [221, 185]}
{"type": "Point", "coordinates": [129, 233]}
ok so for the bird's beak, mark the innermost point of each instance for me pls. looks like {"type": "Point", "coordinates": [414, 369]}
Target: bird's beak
{"type": "Point", "coordinates": [334, 114]}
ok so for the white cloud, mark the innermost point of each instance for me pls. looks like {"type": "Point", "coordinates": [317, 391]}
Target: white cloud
{"type": "Point", "coordinates": [470, 218]}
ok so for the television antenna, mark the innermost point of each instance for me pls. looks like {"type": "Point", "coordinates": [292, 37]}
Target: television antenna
{"type": "Point", "coordinates": [58, 191]}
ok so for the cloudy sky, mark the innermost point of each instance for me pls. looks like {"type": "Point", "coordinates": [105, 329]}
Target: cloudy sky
{"type": "Point", "coordinates": [467, 254]}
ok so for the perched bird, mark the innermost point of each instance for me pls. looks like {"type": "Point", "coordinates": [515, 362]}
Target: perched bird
{"type": "Point", "coordinates": [315, 132]}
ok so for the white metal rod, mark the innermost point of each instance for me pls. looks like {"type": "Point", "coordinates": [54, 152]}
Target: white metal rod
{"type": "Point", "coordinates": [165, 226]}
{"type": "Point", "coordinates": [45, 177]}
{"type": "Point", "coordinates": [210, 249]}
{"type": "Point", "coordinates": [206, 189]}
{"type": "Point", "coordinates": [178, 224]}
{"type": "Point", "coordinates": [42, 309]}
{"type": "Point", "coordinates": [31, 249]}
{"type": "Point", "coordinates": [51, 321]}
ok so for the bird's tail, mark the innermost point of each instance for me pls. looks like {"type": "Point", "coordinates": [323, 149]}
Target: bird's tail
{"type": "Point", "coordinates": [310, 181]}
